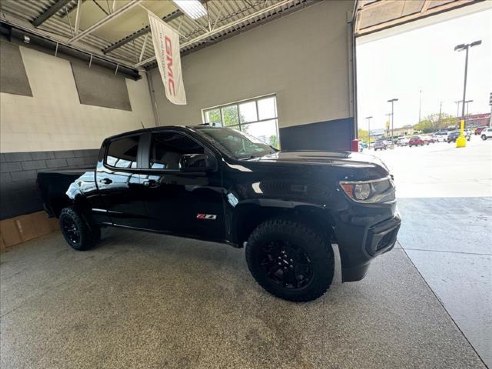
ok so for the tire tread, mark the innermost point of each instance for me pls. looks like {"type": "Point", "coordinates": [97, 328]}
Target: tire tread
{"type": "Point", "coordinates": [293, 227]}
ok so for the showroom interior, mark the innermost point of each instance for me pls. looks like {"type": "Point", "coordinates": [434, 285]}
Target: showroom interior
{"type": "Point", "coordinates": [74, 72]}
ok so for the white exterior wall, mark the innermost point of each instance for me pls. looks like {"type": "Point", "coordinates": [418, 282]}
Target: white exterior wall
{"type": "Point", "coordinates": [302, 57]}
{"type": "Point", "coordinates": [53, 118]}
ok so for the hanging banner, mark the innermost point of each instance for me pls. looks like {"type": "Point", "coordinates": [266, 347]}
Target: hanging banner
{"type": "Point", "coordinates": [167, 55]}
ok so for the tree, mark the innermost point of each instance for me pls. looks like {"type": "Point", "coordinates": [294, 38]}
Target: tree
{"type": "Point", "coordinates": [434, 122]}
{"type": "Point", "coordinates": [274, 141]}
{"type": "Point", "coordinates": [364, 135]}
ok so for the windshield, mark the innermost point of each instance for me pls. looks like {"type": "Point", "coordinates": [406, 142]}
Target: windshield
{"type": "Point", "coordinates": [238, 144]}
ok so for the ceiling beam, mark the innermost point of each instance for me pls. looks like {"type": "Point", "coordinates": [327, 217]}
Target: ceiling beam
{"type": "Point", "coordinates": [206, 35]}
{"type": "Point", "coordinates": [142, 31]}
{"type": "Point", "coordinates": [105, 20]}
{"type": "Point", "coordinates": [48, 13]}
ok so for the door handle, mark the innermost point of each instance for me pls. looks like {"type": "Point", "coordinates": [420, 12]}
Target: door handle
{"type": "Point", "coordinates": [105, 181]}
{"type": "Point", "coordinates": [151, 183]}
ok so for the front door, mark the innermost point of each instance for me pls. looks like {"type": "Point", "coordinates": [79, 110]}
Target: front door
{"type": "Point", "coordinates": [178, 202]}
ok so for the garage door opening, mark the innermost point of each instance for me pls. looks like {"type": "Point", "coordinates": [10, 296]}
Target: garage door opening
{"type": "Point", "coordinates": [410, 103]}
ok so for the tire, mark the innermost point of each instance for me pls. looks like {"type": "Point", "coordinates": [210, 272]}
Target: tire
{"type": "Point", "coordinates": [76, 230]}
{"type": "Point", "coordinates": [290, 260]}
{"type": "Point", "coordinates": [484, 137]}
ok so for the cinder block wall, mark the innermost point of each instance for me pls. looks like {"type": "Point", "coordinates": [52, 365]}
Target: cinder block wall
{"type": "Point", "coordinates": [54, 114]}
{"type": "Point", "coordinates": [18, 171]}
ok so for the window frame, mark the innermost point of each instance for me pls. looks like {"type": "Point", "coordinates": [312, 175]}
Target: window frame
{"type": "Point", "coordinates": [240, 124]}
{"type": "Point", "coordinates": [139, 153]}
{"type": "Point", "coordinates": [148, 143]}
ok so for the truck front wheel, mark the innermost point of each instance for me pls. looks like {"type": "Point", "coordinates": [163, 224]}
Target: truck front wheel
{"type": "Point", "coordinates": [290, 260]}
{"type": "Point", "coordinates": [76, 231]}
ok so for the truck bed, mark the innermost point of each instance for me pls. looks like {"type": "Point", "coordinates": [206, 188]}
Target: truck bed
{"type": "Point", "coordinates": [53, 184]}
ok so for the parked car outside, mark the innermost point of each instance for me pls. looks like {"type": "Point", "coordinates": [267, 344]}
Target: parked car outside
{"type": "Point", "coordinates": [380, 145]}
{"type": "Point", "coordinates": [455, 134]}
{"type": "Point", "coordinates": [402, 141]}
{"type": "Point", "coordinates": [427, 139]}
{"type": "Point", "coordinates": [479, 130]}
{"type": "Point", "coordinates": [442, 136]}
{"type": "Point", "coordinates": [416, 141]}
{"type": "Point", "coordinates": [486, 133]}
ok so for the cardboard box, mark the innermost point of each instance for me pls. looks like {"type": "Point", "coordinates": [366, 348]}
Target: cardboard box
{"type": "Point", "coordinates": [23, 228]}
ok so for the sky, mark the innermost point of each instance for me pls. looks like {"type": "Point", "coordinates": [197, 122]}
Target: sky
{"type": "Point", "coordinates": [424, 59]}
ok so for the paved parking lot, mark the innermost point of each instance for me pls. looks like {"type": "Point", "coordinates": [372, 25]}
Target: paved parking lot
{"type": "Point", "coordinates": [445, 197]}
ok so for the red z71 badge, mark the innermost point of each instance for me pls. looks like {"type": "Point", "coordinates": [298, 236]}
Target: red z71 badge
{"type": "Point", "coordinates": [206, 216]}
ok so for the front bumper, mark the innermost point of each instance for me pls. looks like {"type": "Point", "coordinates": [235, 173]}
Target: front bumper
{"type": "Point", "coordinates": [381, 237]}
{"type": "Point", "coordinates": [359, 244]}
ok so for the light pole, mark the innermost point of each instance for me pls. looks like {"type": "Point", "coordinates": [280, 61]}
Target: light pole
{"type": "Point", "coordinates": [461, 140]}
{"type": "Point", "coordinates": [389, 122]}
{"type": "Point", "coordinates": [420, 105]}
{"type": "Point", "coordinates": [467, 102]}
{"type": "Point", "coordinates": [440, 114]}
{"type": "Point", "coordinates": [392, 101]}
{"type": "Point", "coordinates": [369, 130]}
{"type": "Point", "coordinates": [457, 108]}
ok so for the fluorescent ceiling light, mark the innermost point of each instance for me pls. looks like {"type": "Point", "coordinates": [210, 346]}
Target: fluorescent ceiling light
{"type": "Point", "coordinates": [192, 8]}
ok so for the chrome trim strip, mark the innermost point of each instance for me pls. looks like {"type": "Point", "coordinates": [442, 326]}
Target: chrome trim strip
{"type": "Point", "coordinates": [369, 181]}
{"type": "Point", "coordinates": [99, 210]}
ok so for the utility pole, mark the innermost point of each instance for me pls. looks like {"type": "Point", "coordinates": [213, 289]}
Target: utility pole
{"type": "Point", "coordinates": [457, 108]}
{"type": "Point", "coordinates": [461, 140]}
{"type": "Point", "coordinates": [369, 130]}
{"type": "Point", "coordinates": [467, 102]}
{"type": "Point", "coordinates": [392, 101]}
{"type": "Point", "coordinates": [440, 112]}
{"type": "Point", "coordinates": [420, 106]}
{"type": "Point", "coordinates": [387, 126]}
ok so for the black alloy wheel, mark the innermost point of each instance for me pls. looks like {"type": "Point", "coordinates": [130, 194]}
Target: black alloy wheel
{"type": "Point", "coordinates": [286, 264]}
{"type": "Point", "coordinates": [290, 259]}
{"type": "Point", "coordinates": [69, 228]}
{"type": "Point", "coordinates": [76, 230]}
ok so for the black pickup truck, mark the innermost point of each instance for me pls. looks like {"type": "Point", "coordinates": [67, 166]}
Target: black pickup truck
{"type": "Point", "coordinates": [217, 184]}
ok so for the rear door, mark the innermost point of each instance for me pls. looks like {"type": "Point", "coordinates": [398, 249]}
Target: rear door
{"type": "Point", "coordinates": [120, 183]}
{"type": "Point", "coordinates": [178, 202]}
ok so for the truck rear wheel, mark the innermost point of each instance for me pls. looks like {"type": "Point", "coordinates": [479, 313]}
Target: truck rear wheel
{"type": "Point", "coordinates": [76, 231]}
{"type": "Point", "coordinates": [290, 260]}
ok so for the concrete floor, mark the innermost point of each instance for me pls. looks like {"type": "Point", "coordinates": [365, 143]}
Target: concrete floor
{"type": "Point", "coordinates": [149, 301]}
{"type": "Point", "coordinates": [445, 197]}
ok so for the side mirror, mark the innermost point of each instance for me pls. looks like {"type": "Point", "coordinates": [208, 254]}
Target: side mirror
{"type": "Point", "coordinates": [196, 163]}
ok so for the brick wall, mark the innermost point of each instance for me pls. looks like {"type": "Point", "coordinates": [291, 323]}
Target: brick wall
{"type": "Point", "coordinates": [18, 172]}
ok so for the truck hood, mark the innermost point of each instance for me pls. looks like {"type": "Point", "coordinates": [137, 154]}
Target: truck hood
{"type": "Point", "coordinates": [344, 158]}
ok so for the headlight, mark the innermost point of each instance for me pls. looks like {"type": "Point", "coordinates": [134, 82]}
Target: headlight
{"type": "Point", "coordinates": [362, 191]}
{"type": "Point", "coordinates": [370, 192]}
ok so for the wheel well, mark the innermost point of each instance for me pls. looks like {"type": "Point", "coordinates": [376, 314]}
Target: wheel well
{"type": "Point", "coordinates": [248, 217]}
{"type": "Point", "coordinates": [59, 203]}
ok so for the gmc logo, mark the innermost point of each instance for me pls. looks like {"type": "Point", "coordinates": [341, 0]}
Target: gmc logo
{"type": "Point", "coordinates": [169, 65]}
